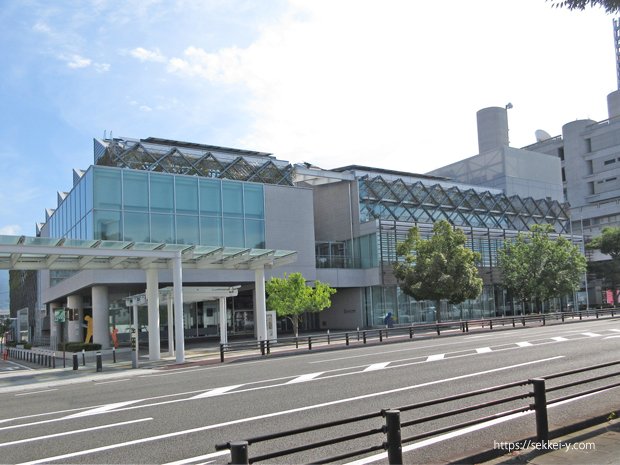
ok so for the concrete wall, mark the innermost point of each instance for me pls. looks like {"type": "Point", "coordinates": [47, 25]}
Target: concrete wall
{"type": "Point", "coordinates": [336, 211]}
{"type": "Point", "coordinates": [345, 313]}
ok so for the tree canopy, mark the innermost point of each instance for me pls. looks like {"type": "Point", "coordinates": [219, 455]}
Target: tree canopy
{"type": "Point", "coordinates": [440, 267]}
{"type": "Point", "coordinates": [610, 6]}
{"type": "Point", "coordinates": [609, 244]}
{"type": "Point", "coordinates": [291, 296]}
{"type": "Point", "coordinates": [538, 267]}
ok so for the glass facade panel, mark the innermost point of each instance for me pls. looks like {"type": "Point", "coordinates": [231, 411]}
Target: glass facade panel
{"type": "Point", "coordinates": [107, 225]}
{"type": "Point", "coordinates": [253, 199]}
{"type": "Point", "coordinates": [186, 195]}
{"type": "Point", "coordinates": [162, 193]}
{"type": "Point", "coordinates": [210, 231]}
{"type": "Point", "coordinates": [210, 197]}
{"type": "Point", "coordinates": [233, 232]}
{"type": "Point", "coordinates": [135, 191]}
{"type": "Point", "coordinates": [255, 234]}
{"type": "Point", "coordinates": [162, 228]}
{"type": "Point", "coordinates": [232, 195]}
{"type": "Point", "coordinates": [107, 189]}
{"type": "Point", "coordinates": [136, 227]}
{"type": "Point", "coordinates": [188, 230]}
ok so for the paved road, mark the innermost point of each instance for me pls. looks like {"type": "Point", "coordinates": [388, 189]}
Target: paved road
{"type": "Point", "coordinates": [178, 415]}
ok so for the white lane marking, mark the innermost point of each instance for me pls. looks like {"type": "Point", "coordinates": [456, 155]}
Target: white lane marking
{"type": "Point", "coordinates": [20, 365]}
{"type": "Point", "coordinates": [591, 334]}
{"type": "Point", "coordinates": [435, 357]}
{"type": "Point", "coordinates": [102, 409]}
{"type": "Point", "coordinates": [196, 459]}
{"type": "Point", "coordinates": [524, 344]}
{"type": "Point", "coordinates": [615, 330]}
{"type": "Point", "coordinates": [113, 381]}
{"type": "Point", "coordinates": [36, 392]}
{"type": "Point", "coordinates": [612, 337]}
{"type": "Point", "coordinates": [377, 366]}
{"type": "Point", "coordinates": [460, 432]}
{"type": "Point", "coordinates": [69, 433]}
{"type": "Point", "coordinates": [282, 412]}
{"type": "Point", "coordinates": [559, 339]}
{"type": "Point", "coordinates": [483, 350]}
{"type": "Point", "coordinates": [216, 391]}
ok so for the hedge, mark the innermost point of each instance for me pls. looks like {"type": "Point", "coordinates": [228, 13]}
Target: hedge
{"type": "Point", "coordinates": [79, 346]}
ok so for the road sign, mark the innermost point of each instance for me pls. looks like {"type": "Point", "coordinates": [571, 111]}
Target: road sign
{"type": "Point", "coordinates": [59, 315]}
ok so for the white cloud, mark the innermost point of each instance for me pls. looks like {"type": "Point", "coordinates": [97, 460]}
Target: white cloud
{"type": "Point", "coordinates": [385, 84]}
{"type": "Point", "coordinates": [10, 230]}
{"type": "Point", "coordinates": [102, 67]}
{"type": "Point", "coordinates": [143, 54]}
{"type": "Point", "coordinates": [145, 108]}
{"type": "Point", "coordinates": [77, 61]}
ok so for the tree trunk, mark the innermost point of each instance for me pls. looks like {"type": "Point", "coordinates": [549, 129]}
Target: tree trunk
{"type": "Point", "coordinates": [295, 320]}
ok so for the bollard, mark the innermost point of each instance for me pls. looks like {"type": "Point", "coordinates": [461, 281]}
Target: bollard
{"type": "Point", "coordinates": [562, 317]}
{"type": "Point", "coordinates": [296, 343]}
{"type": "Point", "coordinates": [358, 334]}
{"type": "Point", "coordinates": [544, 321]}
{"type": "Point", "coordinates": [99, 365]}
{"type": "Point", "coordinates": [268, 347]}
{"type": "Point", "coordinates": [328, 338]}
{"type": "Point", "coordinates": [364, 334]}
{"type": "Point", "coordinates": [113, 354]}
{"type": "Point", "coordinates": [54, 360]}
{"type": "Point", "coordinates": [83, 357]}
{"type": "Point", "coordinates": [580, 315]}
{"type": "Point", "coordinates": [411, 332]}
{"type": "Point", "coordinates": [309, 342]}
{"type": "Point", "coordinates": [222, 353]}
{"type": "Point", "coordinates": [262, 347]}
{"type": "Point", "coordinates": [75, 361]}
{"type": "Point", "coordinates": [490, 324]}
{"type": "Point", "coordinates": [346, 336]}
{"type": "Point", "coordinates": [393, 443]}
{"type": "Point", "coordinates": [540, 407]}
{"type": "Point", "coordinates": [380, 335]}
{"type": "Point", "coordinates": [239, 453]}
{"type": "Point", "coordinates": [437, 327]}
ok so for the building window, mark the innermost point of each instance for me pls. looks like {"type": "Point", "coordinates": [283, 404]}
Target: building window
{"type": "Point", "coordinates": [609, 162]}
{"type": "Point", "coordinates": [561, 153]}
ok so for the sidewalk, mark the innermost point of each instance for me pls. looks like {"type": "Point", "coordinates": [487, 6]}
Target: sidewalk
{"type": "Point", "coordinates": [596, 445]}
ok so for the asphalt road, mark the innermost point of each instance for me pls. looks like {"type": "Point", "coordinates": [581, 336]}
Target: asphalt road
{"type": "Point", "coordinates": [178, 415]}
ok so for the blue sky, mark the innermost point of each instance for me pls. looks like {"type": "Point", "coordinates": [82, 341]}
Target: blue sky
{"type": "Point", "coordinates": [386, 83]}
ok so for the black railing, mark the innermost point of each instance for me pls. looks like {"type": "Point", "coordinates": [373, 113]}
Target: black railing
{"type": "Point", "coordinates": [380, 335]}
{"type": "Point", "coordinates": [46, 358]}
{"type": "Point", "coordinates": [392, 426]}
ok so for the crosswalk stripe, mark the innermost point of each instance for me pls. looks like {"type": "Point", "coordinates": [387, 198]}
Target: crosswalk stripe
{"type": "Point", "coordinates": [377, 366]}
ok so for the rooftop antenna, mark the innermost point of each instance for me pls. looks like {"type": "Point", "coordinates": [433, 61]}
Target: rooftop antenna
{"type": "Point", "coordinates": [617, 47]}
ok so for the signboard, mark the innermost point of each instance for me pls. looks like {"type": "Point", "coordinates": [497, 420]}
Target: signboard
{"type": "Point", "coordinates": [59, 315]}
{"type": "Point", "coordinates": [272, 327]}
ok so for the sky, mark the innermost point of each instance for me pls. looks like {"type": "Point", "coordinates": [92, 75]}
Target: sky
{"type": "Point", "coordinates": [386, 83]}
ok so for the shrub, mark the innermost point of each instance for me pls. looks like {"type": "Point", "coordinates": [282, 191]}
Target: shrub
{"type": "Point", "coordinates": [79, 346]}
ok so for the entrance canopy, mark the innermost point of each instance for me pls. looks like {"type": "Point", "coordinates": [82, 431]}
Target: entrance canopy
{"type": "Point", "coordinates": [38, 253]}
{"type": "Point", "coordinates": [42, 253]}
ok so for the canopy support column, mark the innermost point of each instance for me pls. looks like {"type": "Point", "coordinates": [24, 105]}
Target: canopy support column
{"type": "Point", "coordinates": [152, 300]}
{"type": "Point", "coordinates": [223, 321]}
{"type": "Point", "coordinates": [170, 326]}
{"type": "Point", "coordinates": [177, 283]}
{"type": "Point", "coordinates": [261, 307]}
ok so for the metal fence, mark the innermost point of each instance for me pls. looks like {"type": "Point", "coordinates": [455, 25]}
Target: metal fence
{"type": "Point", "coordinates": [366, 336]}
{"type": "Point", "coordinates": [394, 422]}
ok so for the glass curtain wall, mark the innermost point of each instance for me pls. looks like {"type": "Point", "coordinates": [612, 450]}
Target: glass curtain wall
{"type": "Point", "coordinates": [141, 206]}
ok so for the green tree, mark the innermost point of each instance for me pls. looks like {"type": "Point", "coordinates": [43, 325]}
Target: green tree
{"type": "Point", "coordinates": [537, 267]}
{"type": "Point", "coordinates": [438, 268]}
{"type": "Point", "coordinates": [291, 296]}
{"type": "Point", "coordinates": [609, 244]}
{"type": "Point", "coordinates": [610, 6]}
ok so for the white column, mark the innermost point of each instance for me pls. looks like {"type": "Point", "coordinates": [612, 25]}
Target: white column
{"type": "Point", "coordinates": [177, 283]}
{"type": "Point", "coordinates": [260, 307]}
{"type": "Point", "coordinates": [136, 326]}
{"type": "Point", "coordinates": [55, 328]}
{"type": "Point", "coordinates": [101, 316]}
{"type": "Point", "coordinates": [170, 326]}
{"type": "Point", "coordinates": [152, 300]}
{"type": "Point", "coordinates": [74, 328]}
{"type": "Point", "coordinates": [223, 323]}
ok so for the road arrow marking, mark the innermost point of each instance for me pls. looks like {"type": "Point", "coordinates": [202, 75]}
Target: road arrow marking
{"type": "Point", "coordinates": [377, 366]}
{"type": "Point", "coordinates": [102, 409]}
{"type": "Point", "coordinates": [304, 378]}
{"type": "Point", "coordinates": [216, 391]}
